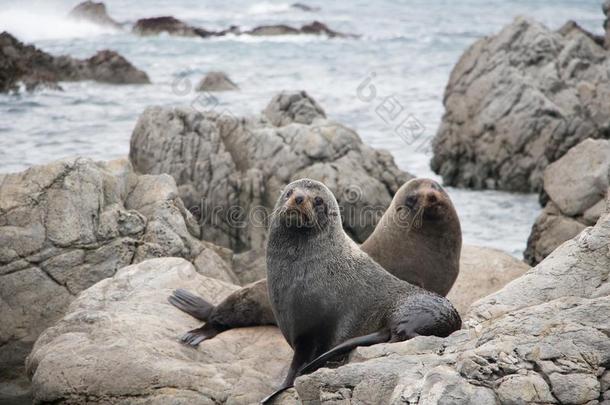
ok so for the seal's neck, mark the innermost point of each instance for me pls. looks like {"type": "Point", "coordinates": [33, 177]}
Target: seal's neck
{"type": "Point", "coordinates": [292, 244]}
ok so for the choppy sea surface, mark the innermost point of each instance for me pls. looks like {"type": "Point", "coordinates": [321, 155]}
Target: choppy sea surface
{"type": "Point", "coordinates": [406, 52]}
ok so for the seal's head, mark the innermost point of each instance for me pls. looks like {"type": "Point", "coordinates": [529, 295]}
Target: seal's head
{"type": "Point", "coordinates": [306, 206]}
{"type": "Point", "coordinates": [421, 200]}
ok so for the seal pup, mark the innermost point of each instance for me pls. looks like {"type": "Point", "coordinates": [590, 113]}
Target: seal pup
{"type": "Point", "coordinates": [418, 239]}
{"type": "Point", "coordinates": [328, 296]}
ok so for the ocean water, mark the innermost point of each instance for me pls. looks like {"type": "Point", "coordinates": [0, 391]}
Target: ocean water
{"type": "Point", "coordinates": [402, 59]}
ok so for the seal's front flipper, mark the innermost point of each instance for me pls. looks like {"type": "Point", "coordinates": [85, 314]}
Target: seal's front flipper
{"type": "Point", "coordinates": [196, 336]}
{"type": "Point", "coordinates": [193, 305]}
{"type": "Point", "coordinates": [275, 393]}
{"type": "Point", "coordinates": [366, 340]}
{"type": "Point", "coordinates": [302, 354]}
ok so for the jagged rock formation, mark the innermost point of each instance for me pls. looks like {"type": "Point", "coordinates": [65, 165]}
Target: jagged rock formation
{"type": "Point", "coordinates": [576, 186]}
{"type": "Point", "coordinates": [216, 81]}
{"type": "Point", "coordinates": [69, 224]}
{"type": "Point", "coordinates": [93, 12]}
{"type": "Point", "coordinates": [33, 67]}
{"type": "Point", "coordinates": [231, 169]}
{"type": "Point", "coordinates": [519, 100]}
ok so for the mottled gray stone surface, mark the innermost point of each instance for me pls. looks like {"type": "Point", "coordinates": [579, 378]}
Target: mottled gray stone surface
{"type": "Point", "coordinates": [517, 101]}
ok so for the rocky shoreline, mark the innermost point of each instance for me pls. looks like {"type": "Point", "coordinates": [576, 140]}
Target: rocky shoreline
{"type": "Point", "coordinates": [89, 251]}
{"type": "Point", "coordinates": [97, 14]}
{"type": "Point", "coordinates": [105, 243]}
{"type": "Point", "coordinates": [36, 69]}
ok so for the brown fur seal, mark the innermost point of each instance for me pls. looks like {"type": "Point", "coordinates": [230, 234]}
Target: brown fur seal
{"type": "Point", "coordinates": [418, 240]}
{"type": "Point", "coordinates": [328, 295]}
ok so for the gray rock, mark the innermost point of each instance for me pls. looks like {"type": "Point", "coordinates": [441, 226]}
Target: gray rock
{"type": "Point", "coordinates": [118, 343]}
{"type": "Point", "coordinates": [93, 12]}
{"type": "Point", "coordinates": [105, 66]}
{"type": "Point", "coordinates": [230, 170]}
{"type": "Point", "coordinates": [216, 81]}
{"type": "Point", "coordinates": [288, 107]}
{"type": "Point", "coordinates": [36, 68]}
{"type": "Point", "coordinates": [578, 268]}
{"type": "Point", "coordinates": [574, 388]}
{"type": "Point", "coordinates": [65, 226]}
{"type": "Point", "coordinates": [571, 25]}
{"type": "Point", "coordinates": [580, 178]}
{"type": "Point", "coordinates": [318, 28]}
{"type": "Point", "coordinates": [273, 30]}
{"type": "Point", "coordinates": [576, 185]}
{"type": "Point", "coordinates": [314, 28]}
{"type": "Point", "coordinates": [591, 215]}
{"type": "Point", "coordinates": [482, 271]}
{"type": "Point", "coordinates": [550, 230]}
{"type": "Point", "coordinates": [169, 25]}
{"type": "Point", "coordinates": [517, 101]}
{"type": "Point", "coordinates": [522, 389]}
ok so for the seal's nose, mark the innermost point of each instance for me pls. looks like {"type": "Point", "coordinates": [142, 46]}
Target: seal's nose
{"type": "Point", "coordinates": [298, 199]}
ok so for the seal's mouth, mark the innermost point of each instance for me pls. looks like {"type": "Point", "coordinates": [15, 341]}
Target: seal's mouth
{"type": "Point", "coordinates": [298, 210]}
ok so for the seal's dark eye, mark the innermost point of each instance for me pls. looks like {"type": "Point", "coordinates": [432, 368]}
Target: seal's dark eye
{"type": "Point", "coordinates": [318, 201]}
{"type": "Point", "coordinates": [289, 193]}
{"type": "Point", "coordinates": [411, 201]}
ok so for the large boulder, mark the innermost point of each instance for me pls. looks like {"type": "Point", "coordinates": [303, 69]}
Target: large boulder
{"type": "Point", "coordinates": [66, 225]}
{"type": "Point", "coordinates": [232, 169]}
{"type": "Point", "coordinates": [575, 185]}
{"type": "Point", "coordinates": [216, 81]}
{"type": "Point", "coordinates": [93, 12]}
{"type": "Point", "coordinates": [118, 343]}
{"type": "Point", "coordinates": [25, 63]}
{"type": "Point", "coordinates": [517, 101]}
{"type": "Point", "coordinates": [482, 271]}
{"type": "Point", "coordinates": [543, 338]}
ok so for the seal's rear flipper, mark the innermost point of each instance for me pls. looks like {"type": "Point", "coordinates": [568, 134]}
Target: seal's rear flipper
{"type": "Point", "coordinates": [196, 336]}
{"type": "Point", "coordinates": [193, 305]}
{"type": "Point", "coordinates": [366, 340]}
